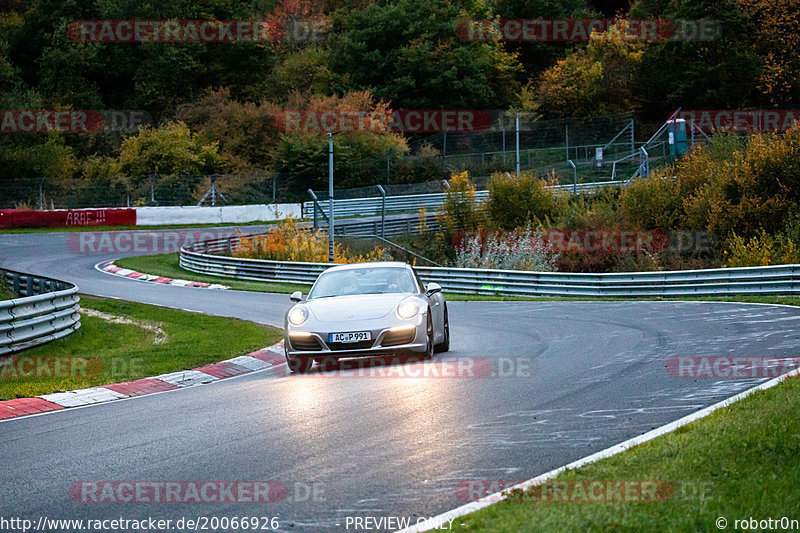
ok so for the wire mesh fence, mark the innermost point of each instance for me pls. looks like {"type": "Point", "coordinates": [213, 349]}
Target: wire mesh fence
{"type": "Point", "coordinates": [580, 150]}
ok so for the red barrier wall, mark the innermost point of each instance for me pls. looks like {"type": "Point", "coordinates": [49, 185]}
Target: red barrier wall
{"type": "Point", "coordinates": [64, 218]}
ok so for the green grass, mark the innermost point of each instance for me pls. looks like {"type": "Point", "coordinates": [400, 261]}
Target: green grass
{"type": "Point", "coordinates": [6, 293]}
{"type": "Point", "coordinates": [739, 462]}
{"type": "Point", "coordinates": [138, 228]}
{"type": "Point", "coordinates": [167, 265]}
{"type": "Point", "coordinates": [126, 352]}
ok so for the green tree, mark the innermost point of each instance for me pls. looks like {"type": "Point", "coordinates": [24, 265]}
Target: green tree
{"type": "Point", "coordinates": [592, 81]}
{"type": "Point", "coordinates": [172, 153]}
{"type": "Point", "coordinates": [720, 73]}
{"type": "Point", "coordinates": [408, 53]}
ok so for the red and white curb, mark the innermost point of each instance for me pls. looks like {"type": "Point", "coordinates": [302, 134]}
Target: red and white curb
{"type": "Point", "coordinates": [263, 359]}
{"type": "Point", "coordinates": [110, 268]}
{"type": "Point", "coordinates": [445, 518]}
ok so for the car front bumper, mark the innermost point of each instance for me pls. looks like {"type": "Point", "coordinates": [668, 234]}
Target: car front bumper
{"type": "Point", "coordinates": [399, 336]}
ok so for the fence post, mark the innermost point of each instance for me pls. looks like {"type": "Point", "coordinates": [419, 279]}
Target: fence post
{"type": "Point", "coordinates": [504, 141]}
{"type": "Point", "coordinates": [444, 150]}
{"type": "Point", "coordinates": [633, 142]}
{"type": "Point", "coordinates": [517, 128]}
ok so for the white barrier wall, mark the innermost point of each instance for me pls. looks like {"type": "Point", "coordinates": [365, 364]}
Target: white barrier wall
{"type": "Point", "coordinates": [154, 216]}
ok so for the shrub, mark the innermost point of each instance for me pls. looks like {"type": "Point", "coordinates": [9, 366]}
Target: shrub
{"type": "Point", "coordinates": [519, 202]}
{"type": "Point", "coordinates": [285, 241]}
{"type": "Point", "coordinates": [761, 250]}
{"type": "Point", "coordinates": [460, 209]}
{"type": "Point", "coordinates": [517, 250]}
{"type": "Point", "coordinates": [741, 187]}
{"type": "Point", "coordinates": [653, 203]}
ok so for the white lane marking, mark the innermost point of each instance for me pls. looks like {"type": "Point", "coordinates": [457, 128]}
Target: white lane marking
{"type": "Point", "coordinates": [186, 378]}
{"type": "Point", "coordinates": [249, 362]}
{"type": "Point", "coordinates": [83, 397]}
{"type": "Point", "coordinates": [602, 454]}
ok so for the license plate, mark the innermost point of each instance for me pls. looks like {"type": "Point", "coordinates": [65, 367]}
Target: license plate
{"type": "Point", "coordinates": [351, 336]}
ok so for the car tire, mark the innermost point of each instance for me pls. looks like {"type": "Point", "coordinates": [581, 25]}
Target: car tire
{"type": "Point", "coordinates": [299, 364]}
{"type": "Point", "coordinates": [429, 349]}
{"type": "Point", "coordinates": [445, 344]}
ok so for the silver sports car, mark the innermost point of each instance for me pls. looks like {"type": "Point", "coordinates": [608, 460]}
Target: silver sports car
{"type": "Point", "coordinates": [366, 309]}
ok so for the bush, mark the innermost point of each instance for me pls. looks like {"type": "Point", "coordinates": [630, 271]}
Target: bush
{"type": "Point", "coordinates": [460, 210]}
{"type": "Point", "coordinates": [761, 250]}
{"type": "Point", "coordinates": [652, 204]}
{"type": "Point", "coordinates": [517, 250]}
{"type": "Point", "coordinates": [520, 202]}
{"type": "Point", "coordinates": [740, 187]}
{"type": "Point", "coordinates": [287, 242]}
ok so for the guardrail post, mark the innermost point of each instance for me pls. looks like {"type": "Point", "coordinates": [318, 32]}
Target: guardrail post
{"type": "Point", "coordinates": [383, 209]}
{"type": "Point", "coordinates": [314, 206]}
{"type": "Point", "coordinates": [574, 176]}
{"type": "Point", "coordinates": [645, 164]}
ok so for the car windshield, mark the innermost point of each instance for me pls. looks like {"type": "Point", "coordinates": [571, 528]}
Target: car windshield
{"type": "Point", "coordinates": [377, 280]}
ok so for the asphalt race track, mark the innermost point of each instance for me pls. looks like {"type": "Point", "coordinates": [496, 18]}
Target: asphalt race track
{"type": "Point", "coordinates": [585, 376]}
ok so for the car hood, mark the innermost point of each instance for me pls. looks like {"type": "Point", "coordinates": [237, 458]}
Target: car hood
{"type": "Point", "coordinates": [355, 307]}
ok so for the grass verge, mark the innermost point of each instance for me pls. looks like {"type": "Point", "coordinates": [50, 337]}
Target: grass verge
{"type": "Point", "coordinates": [6, 293]}
{"type": "Point", "coordinates": [167, 265]}
{"type": "Point", "coordinates": [103, 352]}
{"type": "Point", "coordinates": [737, 463]}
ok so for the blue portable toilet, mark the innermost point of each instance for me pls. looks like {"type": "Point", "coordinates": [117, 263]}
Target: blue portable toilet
{"type": "Point", "coordinates": [678, 142]}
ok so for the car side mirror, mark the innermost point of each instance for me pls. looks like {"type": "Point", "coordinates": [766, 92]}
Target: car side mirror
{"type": "Point", "coordinates": [296, 296]}
{"type": "Point", "coordinates": [433, 288]}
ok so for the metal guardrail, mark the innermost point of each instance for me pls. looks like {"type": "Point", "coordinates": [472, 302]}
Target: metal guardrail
{"type": "Point", "coordinates": [47, 309]}
{"type": "Point", "coordinates": [783, 279]}
{"type": "Point", "coordinates": [373, 205]}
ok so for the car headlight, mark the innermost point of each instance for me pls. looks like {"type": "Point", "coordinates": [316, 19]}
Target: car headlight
{"type": "Point", "coordinates": [408, 309]}
{"type": "Point", "coordinates": [298, 315]}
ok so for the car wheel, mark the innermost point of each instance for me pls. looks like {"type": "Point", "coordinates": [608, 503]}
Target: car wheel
{"type": "Point", "coordinates": [445, 344]}
{"type": "Point", "coordinates": [299, 364]}
{"type": "Point", "coordinates": [429, 348]}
